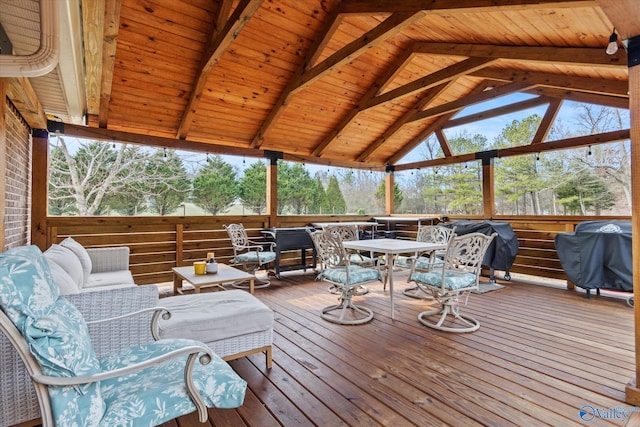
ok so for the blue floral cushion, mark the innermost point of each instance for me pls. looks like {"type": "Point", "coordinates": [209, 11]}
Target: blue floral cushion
{"type": "Point", "coordinates": [452, 281]}
{"type": "Point", "coordinates": [157, 394]}
{"type": "Point", "coordinates": [31, 290]}
{"type": "Point", "coordinates": [423, 263]}
{"type": "Point", "coordinates": [252, 256]}
{"type": "Point", "coordinates": [357, 275]}
{"type": "Point", "coordinates": [360, 259]}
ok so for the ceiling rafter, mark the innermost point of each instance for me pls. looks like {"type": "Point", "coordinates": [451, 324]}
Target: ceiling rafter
{"type": "Point", "coordinates": [498, 111]}
{"type": "Point", "coordinates": [395, 127]}
{"type": "Point", "coordinates": [301, 79]}
{"type": "Point", "coordinates": [588, 98]}
{"type": "Point", "coordinates": [453, 6]}
{"type": "Point", "coordinates": [398, 64]}
{"type": "Point", "coordinates": [547, 121]}
{"type": "Point", "coordinates": [109, 45]}
{"type": "Point", "coordinates": [437, 123]}
{"type": "Point", "coordinates": [220, 41]}
{"type": "Point", "coordinates": [562, 144]}
{"type": "Point", "coordinates": [558, 55]}
{"type": "Point", "coordinates": [427, 82]}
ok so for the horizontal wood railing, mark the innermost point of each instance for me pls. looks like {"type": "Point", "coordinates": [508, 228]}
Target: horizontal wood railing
{"type": "Point", "coordinates": [159, 243]}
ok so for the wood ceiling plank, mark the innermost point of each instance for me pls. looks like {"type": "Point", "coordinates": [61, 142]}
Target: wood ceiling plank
{"type": "Point", "coordinates": [623, 15]}
{"type": "Point", "coordinates": [562, 55]}
{"type": "Point", "coordinates": [222, 39]}
{"type": "Point", "coordinates": [450, 6]}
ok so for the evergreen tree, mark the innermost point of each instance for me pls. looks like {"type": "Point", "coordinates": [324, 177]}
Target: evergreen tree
{"type": "Point", "coordinates": [215, 187]}
{"type": "Point", "coordinates": [168, 186]}
{"type": "Point", "coordinates": [253, 187]}
{"type": "Point", "coordinates": [335, 200]}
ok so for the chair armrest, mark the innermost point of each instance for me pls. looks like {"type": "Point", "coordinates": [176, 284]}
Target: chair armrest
{"type": "Point", "coordinates": [109, 259]}
{"type": "Point", "coordinates": [122, 333]}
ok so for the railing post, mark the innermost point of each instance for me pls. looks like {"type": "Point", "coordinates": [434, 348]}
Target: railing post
{"type": "Point", "coordinates": [179, 243]}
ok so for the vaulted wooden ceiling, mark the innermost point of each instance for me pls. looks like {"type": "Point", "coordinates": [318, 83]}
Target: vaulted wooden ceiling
{"type": "Point", "coordinates": [349, 82]}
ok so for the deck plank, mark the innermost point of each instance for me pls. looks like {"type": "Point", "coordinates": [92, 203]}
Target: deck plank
{"type": "Point", "coordinates": [540, 355]}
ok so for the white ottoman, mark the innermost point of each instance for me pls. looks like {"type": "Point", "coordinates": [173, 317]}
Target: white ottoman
{"type": "Point", "coordinates": [232, 323]}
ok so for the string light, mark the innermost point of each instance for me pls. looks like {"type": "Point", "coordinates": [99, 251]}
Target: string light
{"type": "Point", "coordinates": [164, 153]}
{"type": "Point", "coordinates": [589, 152]}
{"type": "Point", "coordinates": [537, 156]}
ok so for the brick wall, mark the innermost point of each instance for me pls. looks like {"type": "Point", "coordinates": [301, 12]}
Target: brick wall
{"type": "Point", "coordinates": [17, 215]}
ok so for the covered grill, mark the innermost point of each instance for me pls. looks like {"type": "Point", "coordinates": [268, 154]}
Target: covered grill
{"type": "Point", "coordinates": [598, 255]}
{"type": "Point", "coordinates": [502, 251]}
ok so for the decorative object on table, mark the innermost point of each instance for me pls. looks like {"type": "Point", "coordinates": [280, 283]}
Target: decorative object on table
{"type": "Point", "coordinates": [199, 267]}
{"type": "Point", "coordinates": [249, 254]}
{"type": "Point", "coordinates": [212, 265]}
{"type": "Point", "coordinates": [456, 279]}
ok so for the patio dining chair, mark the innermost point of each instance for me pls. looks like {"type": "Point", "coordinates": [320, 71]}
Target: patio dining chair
{"type": "Point", "coordinates": [347, 277]}
{"type": "Point", "coordinates": [147, 384]}
{"type": "Point", "coordinates": [459, 275]}
{"type": "Point", "coordinates": [350, 232]}
{"type": "Point", "coordinates": [249, 254]}
{"type": "Point", "coordinates": [427, 260]}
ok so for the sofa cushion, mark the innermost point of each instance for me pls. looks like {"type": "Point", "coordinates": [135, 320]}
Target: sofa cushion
{"type": "Point", "coordinates": [83, 256]}
{"type": "Point", "coordinates": [110, 278]}
{"type": "Point", "coordinates": [68, 260]}
{"type": "Point", "coordinates": [65, 283]}
{"type": "Point", "coordinates": [215, 316]}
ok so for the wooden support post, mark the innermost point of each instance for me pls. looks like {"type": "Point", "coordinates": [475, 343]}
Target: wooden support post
{"type": "Point", "coordinates": [272, 187]}
{"type": "Point", "coordinates": [389, 200]}
{"type": "Point", "coordinates": [39, 188]}
{"type": "Point", "coordinates": [632, 390]}
{"type": "Point", "coordinates": [488, 191]}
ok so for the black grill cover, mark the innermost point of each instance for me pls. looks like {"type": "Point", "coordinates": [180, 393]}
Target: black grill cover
{"type": "Point", "coordinates": [598, 255]}
{"type": "Point", "coordinates": [504, 248]}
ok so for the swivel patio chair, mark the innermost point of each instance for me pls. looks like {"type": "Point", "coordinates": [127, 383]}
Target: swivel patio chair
{"type": "Point", "coordinates": [459, 275]}
{"type": "Point", "coordinates": [345, 276]}
{"type": "Point", "coordinates": [427, 260]}
{"type": "Point", "coordinates": [250, 255]}
{"type": "Point", "coordinates": [350, 232]}
{"type": "Point", "coordinates": [147, 384]}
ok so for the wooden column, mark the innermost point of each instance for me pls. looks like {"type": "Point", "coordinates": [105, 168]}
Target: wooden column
{"type": "Point", "coordinates": [488, 188]}
{"type": "Point", "coordinates": [39, 188]}
{"type": "Point", "coordinates": [632, 390]}
{"type": "Point", "coordinates": [389, 201]}
{"type": "Point", "coordinates": [3, 158]}
{"type": "Point", "coordinates": [272, 187]}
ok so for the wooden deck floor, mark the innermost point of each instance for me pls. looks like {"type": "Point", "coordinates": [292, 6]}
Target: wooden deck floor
{"type": "Point", "coordinates": [540, 355]}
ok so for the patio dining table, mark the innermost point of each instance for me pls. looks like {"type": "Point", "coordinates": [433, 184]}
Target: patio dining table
{"type": "Point", "coordinates": [391, 247]}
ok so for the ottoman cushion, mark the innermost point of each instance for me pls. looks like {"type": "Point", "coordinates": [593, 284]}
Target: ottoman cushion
{"type": "Point", "coordinates": [215, 316]}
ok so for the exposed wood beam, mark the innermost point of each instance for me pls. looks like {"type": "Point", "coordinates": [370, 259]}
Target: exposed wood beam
{"type": "Point", "coordinates": [451, 6]}
{"type": "Point", "coordinates": [444, 142]}
{"type": "Point", "coordinates": [395, 127]}
{"type": "Point", "coordinates": [21, 93]}
{"type": "Point", "coordinates": [110, 41]}
{"type": "Point", "coordinates": [558, 55]}
{"type": "Point", "coordinates": [326, 38]}
{"type": "Point", "coordinates": [563, 144]}
{"type": "Point", "coordinates": [589, 98]}
{"type": "Point", "coordinates": [547, 121]}
{"type": "Point", "coordinates": [471, 100]}
{"type": "Point", "coordinates": [584, 84]}
{"type": "Point", "coordinates": [388, 28]}
{"type": "Point", "coordinates": [499, 111]}
{"type": "Point", "coordinates": [436, 124]}
{"type": "Point", "coordinates": [366, 98]}
{"type": "Point", "coordinates": [369, 100]}
{"type": "Point", "coordinates": [93, 28]}
{"type": "Point", "coordinates": [222, 38]}
{"type": "Point", "coordinates": [446, 74]}
{"type": "Point", "coordinates": [203, 147]}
